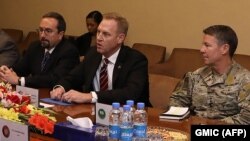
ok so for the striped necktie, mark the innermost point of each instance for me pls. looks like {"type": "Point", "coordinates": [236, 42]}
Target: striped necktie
{"type": "Point", "coordinates": [104, 75]}
{"type": "Point", "coordinates": [45, 60]}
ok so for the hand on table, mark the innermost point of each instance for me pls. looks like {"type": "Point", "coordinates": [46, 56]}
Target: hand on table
{"type": "Point", "coordinates": [57, 93]}
{"type": "Point", "coordinates": [77, 97]}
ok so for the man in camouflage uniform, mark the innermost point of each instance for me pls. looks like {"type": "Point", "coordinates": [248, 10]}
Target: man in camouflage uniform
{"type": "Point", "coordinates": [220, 90]}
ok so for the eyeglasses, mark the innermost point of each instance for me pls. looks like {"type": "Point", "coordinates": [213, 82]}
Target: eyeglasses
{"type": "Point", "coordinates": [46, 31]}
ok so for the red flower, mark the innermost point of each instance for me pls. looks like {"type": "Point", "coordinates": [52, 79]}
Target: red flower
{"type": "Point", "coordinates": [33, 120]}
{"type": "Point", "coordinates": [3, 89]}
{"type": "Point", "coordinates": [49, 127]}
{"type": "Point", "coordinates": [23, 109]}
{"type": "Point", "coordinates": [25, 99]}
{"type": "Point", "coordinates": [43, 123]}
{"type": "Point", "coordinates": [14, 99]}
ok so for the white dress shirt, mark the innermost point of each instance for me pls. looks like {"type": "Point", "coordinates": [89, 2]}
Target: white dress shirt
{"type": "Point", "coordinates": [110, 69]}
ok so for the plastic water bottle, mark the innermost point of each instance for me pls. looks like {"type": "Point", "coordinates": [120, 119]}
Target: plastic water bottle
{"type": "Point", "coordinates": [114, 122]}
{"type": "Point", "coordinates": [131, 104]}
{"type": "Point", "coordinates": [140, 121]}
{"type": "Point", "coordinates": [126, 124]}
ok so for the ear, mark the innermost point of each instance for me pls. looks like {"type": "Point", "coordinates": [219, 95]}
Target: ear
{"type": "Point", "coordinates": [121, 38]}
{"type": "Point", "coordinates": [61, 34]}
{"type": "Point", "coordinates": [225, 49]}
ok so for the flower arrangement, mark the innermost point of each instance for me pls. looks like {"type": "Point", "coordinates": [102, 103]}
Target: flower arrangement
{"type": "Point", "coordinates": [15, 106]}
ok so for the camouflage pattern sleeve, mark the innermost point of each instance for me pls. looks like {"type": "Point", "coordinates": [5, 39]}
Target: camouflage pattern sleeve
{"type": "Point", "coordinates": [182, 96]}
{"type": "Point", "coordinates": [243, 117]}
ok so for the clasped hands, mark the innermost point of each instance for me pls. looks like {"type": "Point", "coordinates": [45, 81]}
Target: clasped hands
{"type": "Point", "coordinates": [8, 75]}
{"type": "Point", "coordinates": [70, 96]}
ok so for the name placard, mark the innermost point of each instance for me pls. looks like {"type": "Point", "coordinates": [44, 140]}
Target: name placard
{"type": "Point", "coordinates": [13, 131]}
{"type": "Point", "coordinates": [33, 93]}
{"type": "Point", "coordinates": [102, 113]}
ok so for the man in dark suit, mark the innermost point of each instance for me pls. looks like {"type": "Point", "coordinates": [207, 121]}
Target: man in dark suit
{"type": "Point", "coordinates": [127, 69]}
{"type": "Point", "coordinates": [9, 54]}
{"type": "Point", "coordinates": [47, 60]}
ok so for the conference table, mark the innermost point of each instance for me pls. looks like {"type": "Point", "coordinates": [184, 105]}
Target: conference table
{"type": "Point", "coordinates": [87, 110]}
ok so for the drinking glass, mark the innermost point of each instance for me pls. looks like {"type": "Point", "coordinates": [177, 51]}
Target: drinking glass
{"type": "Point", "coordinates": [101, 133]}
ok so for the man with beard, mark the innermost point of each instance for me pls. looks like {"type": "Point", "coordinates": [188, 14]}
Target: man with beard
{"type": "Point", "coordinates": [46, 60]}
{"type": "Point", "coordinates": [110, 71]}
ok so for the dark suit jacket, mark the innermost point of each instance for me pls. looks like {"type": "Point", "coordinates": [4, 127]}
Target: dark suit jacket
{"type": "Point", "coordinates": [83, 43]}
{"type": "Point", "coordinates": [64, 58]}
{"type": "Point", "coordinates": [9, 54]}
{"type": "Point", "coordinates": [130, 77]}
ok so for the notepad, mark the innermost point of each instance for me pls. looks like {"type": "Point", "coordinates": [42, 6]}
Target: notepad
{"type": "Point", "coordinates": [177, 113]}
{"type": "Point", "coordinates": [57, 102]}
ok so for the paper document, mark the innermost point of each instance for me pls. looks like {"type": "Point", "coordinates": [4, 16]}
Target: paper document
{"type": "Point", "coordinates": [175, 113]}
{"type": "Point", "coordinates": [45, 105]}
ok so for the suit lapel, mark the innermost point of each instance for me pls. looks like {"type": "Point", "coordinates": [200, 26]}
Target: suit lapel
{"type": "Point", "coordinates": [119, 64]}
{"type": "Point", "coordinates": [93, 68]}
{"type": "Point", "coordinates": [53, 56]}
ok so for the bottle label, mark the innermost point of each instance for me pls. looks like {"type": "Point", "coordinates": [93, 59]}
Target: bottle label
{"type": "Point", "coordinates": [126, 134]}
{"type": "Point", "coordinates": [140, 130]}
{"type": "Point", "coordinates": [114, 131]}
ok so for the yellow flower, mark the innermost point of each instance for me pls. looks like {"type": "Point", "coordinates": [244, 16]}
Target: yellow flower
{"type": "Point", "coordinates": [9, 114]}
{"type": "Point", "coordinates": [12, 108]}
{"type": "Point", "coordinates": [41, 111]}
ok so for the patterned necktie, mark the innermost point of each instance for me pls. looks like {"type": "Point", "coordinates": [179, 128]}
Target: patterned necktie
{"type": "Point", "coordinates": [45, 60]}
{"type": "Point", "coordinates": [104, 75]}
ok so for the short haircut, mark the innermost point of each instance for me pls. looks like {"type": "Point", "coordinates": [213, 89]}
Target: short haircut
{"type": "Point", "coordinates": [225, 35]}
{"type": "Point", "coordinates": [121, 22]}
{"type": "Point", "coordinates": [61, 22]}
{"type": "Point", "coordinates": [96, 15]}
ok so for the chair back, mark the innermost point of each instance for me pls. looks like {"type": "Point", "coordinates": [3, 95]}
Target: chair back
{"type": "Point", "coordinates": [31, 37]}
{"type": "Point", "coordinates": [15, 34]}
{"type": "Point", "coordinates": [181, 61]}
{"type": "Point", "coordinates": [242, 60]}
{"type": "Point", "coordinates": [160, 89]}
{"type": "Point", "coordinates": [154, 53]}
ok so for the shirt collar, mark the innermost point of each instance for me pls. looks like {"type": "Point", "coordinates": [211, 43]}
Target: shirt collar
{"type": "Point", "coordinates": [112, 59]}
{"type": "Point", "coordinates": [212, 78]}
{"type": "Point", "coordinates": [50, 51]}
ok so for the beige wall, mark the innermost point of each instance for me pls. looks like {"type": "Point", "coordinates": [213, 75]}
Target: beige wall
{"type": "Point", "coordinates": [172, 23]}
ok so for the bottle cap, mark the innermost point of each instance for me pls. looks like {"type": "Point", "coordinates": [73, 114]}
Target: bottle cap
{"type": "Point", "coordinates": [116, 105]}
{"type": "Point", "coordinates": [140, 105]}
{"type": "Point", "coordinates": [126, 107]}
{"type": "Point", "coordinates": [130, 102]}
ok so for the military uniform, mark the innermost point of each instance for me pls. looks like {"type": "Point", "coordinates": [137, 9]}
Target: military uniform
{"type": "Point", "coordinates": [215, 96]}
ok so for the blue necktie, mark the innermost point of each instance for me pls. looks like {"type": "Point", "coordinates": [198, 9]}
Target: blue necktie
{"type": "Point", "coordinates": [45, 60]}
